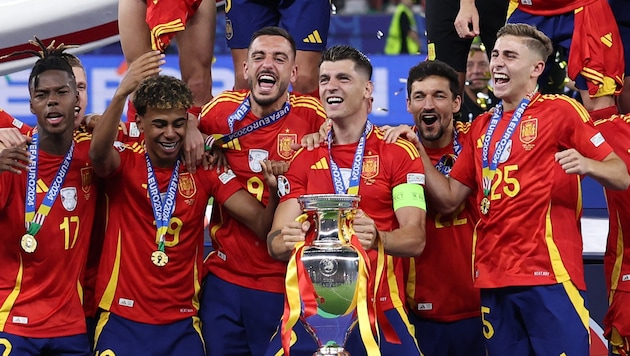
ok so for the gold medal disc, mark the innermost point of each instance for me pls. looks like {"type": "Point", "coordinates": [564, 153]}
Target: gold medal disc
{"type": "Point", "coordinates": [28, 243]}
{"type": "Point", "coordinates": [484, 207]}
{"type": "Point", "coordinates": [159, 258]}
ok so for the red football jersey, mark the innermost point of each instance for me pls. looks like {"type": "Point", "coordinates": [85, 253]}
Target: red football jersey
{"type": "Point", "coordinates": [41, 292]}
{"type": "Point", "coordinates": [128, 283]}
{"type": "Point", "coordinates": [551, 7]}
{"type": "Point", "coordinates": [167, 17]}
{"type": "Point", "coordinates": [447, 257]}
{"type": "Point", "coordinates": [6, 120]}
{"type": "Point", "coordinates": [385, 166]}
{"type": "Point", "coordinates": [239, 256]}
{"type": "Point", "coordinates": [530, 236]}
{"type": "Point", "coordinates": [617, 256]}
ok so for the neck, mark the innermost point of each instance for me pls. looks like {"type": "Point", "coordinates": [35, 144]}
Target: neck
{"type": "Point", "coordinates": [262, 111]}
{"type": "Point", "coordinates": [347, 132]}
{"type": "Point", "coordinates": [162, 163]}
{"type": "Point", "coordinates": [510, 104]}
{"type": "Point", "coordinates": [55, 144]}
{"type": "Point", "coordinates": [445, 140]}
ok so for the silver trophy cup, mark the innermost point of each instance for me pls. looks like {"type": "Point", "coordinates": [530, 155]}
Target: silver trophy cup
{"type": "Point", "coordinates": [333, 268]}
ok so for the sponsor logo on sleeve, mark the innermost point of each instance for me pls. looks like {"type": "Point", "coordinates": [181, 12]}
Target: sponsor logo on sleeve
{"type": "Point", "coordinates": [415, 178]}
{"type": "Point", "coordinates": [598, 139]}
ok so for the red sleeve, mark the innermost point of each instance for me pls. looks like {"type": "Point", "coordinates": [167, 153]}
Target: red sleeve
{"type": "Point", "coordinates": [7, 120]}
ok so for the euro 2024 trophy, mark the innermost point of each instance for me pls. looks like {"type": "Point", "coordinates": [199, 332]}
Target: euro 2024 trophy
{"type": "Point", "coordinates": [327, 276]}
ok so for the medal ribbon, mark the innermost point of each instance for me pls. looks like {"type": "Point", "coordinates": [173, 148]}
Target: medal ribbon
{"type": "Point", "coordinates": [32, 220]}
{"type": "Point", "coordinates": [162, 210]}
{"type": "Point", "coordinates": [240, 114]}
{"type": "Point", "coordinates": [457, 149]}
{"type": "Point", "coordinates": [357, 165]}
{"type": "Point", "coordinates": [489, 169]}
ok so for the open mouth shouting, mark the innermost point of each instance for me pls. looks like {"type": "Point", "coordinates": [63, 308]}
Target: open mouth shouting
{"type": "Point", "coordinates": [429, 118]}
{"type": "Point", "coordinates": [266, 82]}
{"type": "Point", "coordinates": [54, 118]}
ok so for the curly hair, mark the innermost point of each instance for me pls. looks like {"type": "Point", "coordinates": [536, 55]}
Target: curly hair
{"type": "Point", "coordinates": [162, 92]}
{"type": "Point", "coordinates": [51, 57]}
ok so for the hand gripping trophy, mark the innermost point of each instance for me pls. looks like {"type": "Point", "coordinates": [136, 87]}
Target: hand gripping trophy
{"type": "Point", "coordinates": [327, 278]}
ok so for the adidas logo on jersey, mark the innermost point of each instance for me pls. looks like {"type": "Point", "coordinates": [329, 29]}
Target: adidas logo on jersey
{"type": "Point", "coordinates": [313, 38]}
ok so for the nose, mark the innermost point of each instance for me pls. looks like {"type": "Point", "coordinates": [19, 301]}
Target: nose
{"type": "Point", "coordinates": [53, 99]}
{"type": "Point", "coordinates": [429, 103]}
{"type": "Point", "coordinates": [169, 131]}
{"type": "Point", "coordinates": [268, 61]}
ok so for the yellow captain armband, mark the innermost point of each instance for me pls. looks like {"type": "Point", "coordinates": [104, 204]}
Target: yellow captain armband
{"type": "Point", "coordinates": [408, 194]}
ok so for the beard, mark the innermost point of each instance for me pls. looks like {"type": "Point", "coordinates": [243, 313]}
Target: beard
{"type": "Point", "coordinates": [431, 135]}
{"type": "Point", "coordinates": [270, 100]}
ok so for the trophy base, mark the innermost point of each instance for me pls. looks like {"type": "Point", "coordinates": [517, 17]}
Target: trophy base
{"type": "Point", "coordinates": [331, 350]}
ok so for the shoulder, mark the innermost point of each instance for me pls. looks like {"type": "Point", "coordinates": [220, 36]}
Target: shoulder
{"type": "Point", "coordinates": [228, 99]}
{"type": "Point", "coordinates": [563, 103]}
{"type": "Point", "coordinates": [307, 103]}
{"type": "Point", "coordinates": [400, 148]}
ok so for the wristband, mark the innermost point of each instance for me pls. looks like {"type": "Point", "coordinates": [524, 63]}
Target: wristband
{"type": "Point", "coordinates": [208, 143]}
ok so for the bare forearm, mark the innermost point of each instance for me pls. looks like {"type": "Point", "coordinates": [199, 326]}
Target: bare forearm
{"type": "Point", "coordinates": [276, 246]}
{"type": "Point", "coordinates": [106, 129]}
{"type": "Point", "coordinates": [612, 173]}
{"type": "Point", "coordinates": [406, 241]}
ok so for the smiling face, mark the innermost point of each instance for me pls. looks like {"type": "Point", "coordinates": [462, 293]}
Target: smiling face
{"type": "Point", "coordinates": [164, 134]}
{"type": "Point", "coordinates": [515, 69]}
{"type": "Point", "coordinates": [53, 98]}
{"type": "Point", "coordinates": [432, 105]}
{"type": "Point", "coordinates": [269, 69]}
{"type": "Point", "coordinates": [477, 70]}
{"type": "Point", "coordinates": [343, 90]}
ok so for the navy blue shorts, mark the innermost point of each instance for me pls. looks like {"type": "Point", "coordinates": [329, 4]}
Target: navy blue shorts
{"type": "Point", "coordinates": [237, 320]}
{"type": "Point", "coordinates": [539, 320]}
{"type": "Point", "coordinates": [117, 336]}
{"type": "Point", "coordinates": [461, 337]}
{"type": "Point", "coordinates": [76, 345]}
{"type": "Point", "coordinates": [306, 20]}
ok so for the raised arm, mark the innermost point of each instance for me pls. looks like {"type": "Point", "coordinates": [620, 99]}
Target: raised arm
{"type": "Point", "coordinates": [611, 172]}
{"type": "Point", "coordinates": [105, 158]}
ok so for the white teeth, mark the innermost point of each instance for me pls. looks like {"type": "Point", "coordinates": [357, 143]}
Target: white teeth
{"type": "Point", "coordinates": [334, 100]}
{"type": "Point", "coordinates": [267, 78]}
{"type": "Point", "coordinates": [169, 145]}
{"type": "Point", "coordinates": [500, 76]}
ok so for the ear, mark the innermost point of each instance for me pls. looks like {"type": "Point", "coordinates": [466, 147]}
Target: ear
{"type": "Point", "coordinates": [457, 104]}
{"type": "Point", "coordinates": [539, 67]}
{"type": "Point", "coordinates": [245, 70]}
{"type": "Point", "coordinates": [30, 105]}
{"type": "Point", "coordinates": [294, 74]}
{"type": "Point", "coordinates": [408, 105]}
{"type": "Point", "coordinates": [139, 122]}
{"type": "Point", "coordinates": [369, 88]}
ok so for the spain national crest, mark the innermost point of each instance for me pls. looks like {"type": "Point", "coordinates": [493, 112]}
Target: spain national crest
{"type": "Point", "coordinates": [284, 145]}
{"type": "Point", "coordinates": [69, 198]}
{"type": "Point", "coordinates": [529, 130]}
{"type": "Point", "coordinates": [370, 167]}
{"type": "Point", "coordinates": [186, 185]}
{"type": "Point", "coordinates": [86, 179]}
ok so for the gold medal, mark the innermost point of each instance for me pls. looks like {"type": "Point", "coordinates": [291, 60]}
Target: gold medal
{"type": "Point", "coordinates": [28, 243]}
{"type": "Point", "coordinates": [484, 207]}
{"type": "Point", "coordinates": [159, 258]}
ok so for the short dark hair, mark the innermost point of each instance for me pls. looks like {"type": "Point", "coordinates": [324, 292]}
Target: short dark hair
{"type": "Point", "coordinates": [275, 31]}
{"type": "Point", "coordinates": [51, 57]}
{"type": "Point", "coordinates": [438, 68]}
{"type": "Point", "coordinates": [534, 39]}
{"type": "Point", "coordinates": [342, 52]}
{"type": "Point", "coordinates": [162, 92]}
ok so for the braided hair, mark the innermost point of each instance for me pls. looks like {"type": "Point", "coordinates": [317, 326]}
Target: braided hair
{"type": "Point", "coordinates": [51, 57]}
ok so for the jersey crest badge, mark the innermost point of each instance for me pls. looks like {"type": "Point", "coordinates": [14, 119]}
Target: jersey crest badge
{"type": "Point", "coordinates": [370, 167]}
{"type": "Point", "coordinates": [86, 179]}
{"type": "Point", "coordinates": [254, 158]}
{"type": "Point", "coordinates": [69, 198]}
{"type": "Point", "coordinates": [186, 185]}
{"type": "Point", "coordinates": [284, 145]}
{"type": "Point", "coordinates": [529, 133]}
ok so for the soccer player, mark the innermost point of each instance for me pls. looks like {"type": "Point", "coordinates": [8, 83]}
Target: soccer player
{"type": "Point", "coordinates": [306, 20]}
{"type": "Point", "coordinates": [478, 96]}
{"type": "Point", "coordinates": [446, 322]}
{"type": "Point", "coordinates": [528, 250]}
{"type": "Point", "coordinates": [588, 31]}
{"type": "Point", "coordinates": [617, 256]}
{"type": "Point", "coordinates": [46, 216]}
{"type": "Point", "coordinates": [389, 178]}
{"type": "Point", "coordinates": [150, 272]}
{"type": "Point", "coordinates": [243, 293]}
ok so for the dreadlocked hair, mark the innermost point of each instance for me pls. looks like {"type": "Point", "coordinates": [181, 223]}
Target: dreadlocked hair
{"type": "Point", "coordinates": [51, 57]}
{"type": "Point", "coordinates": [162, 92]}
